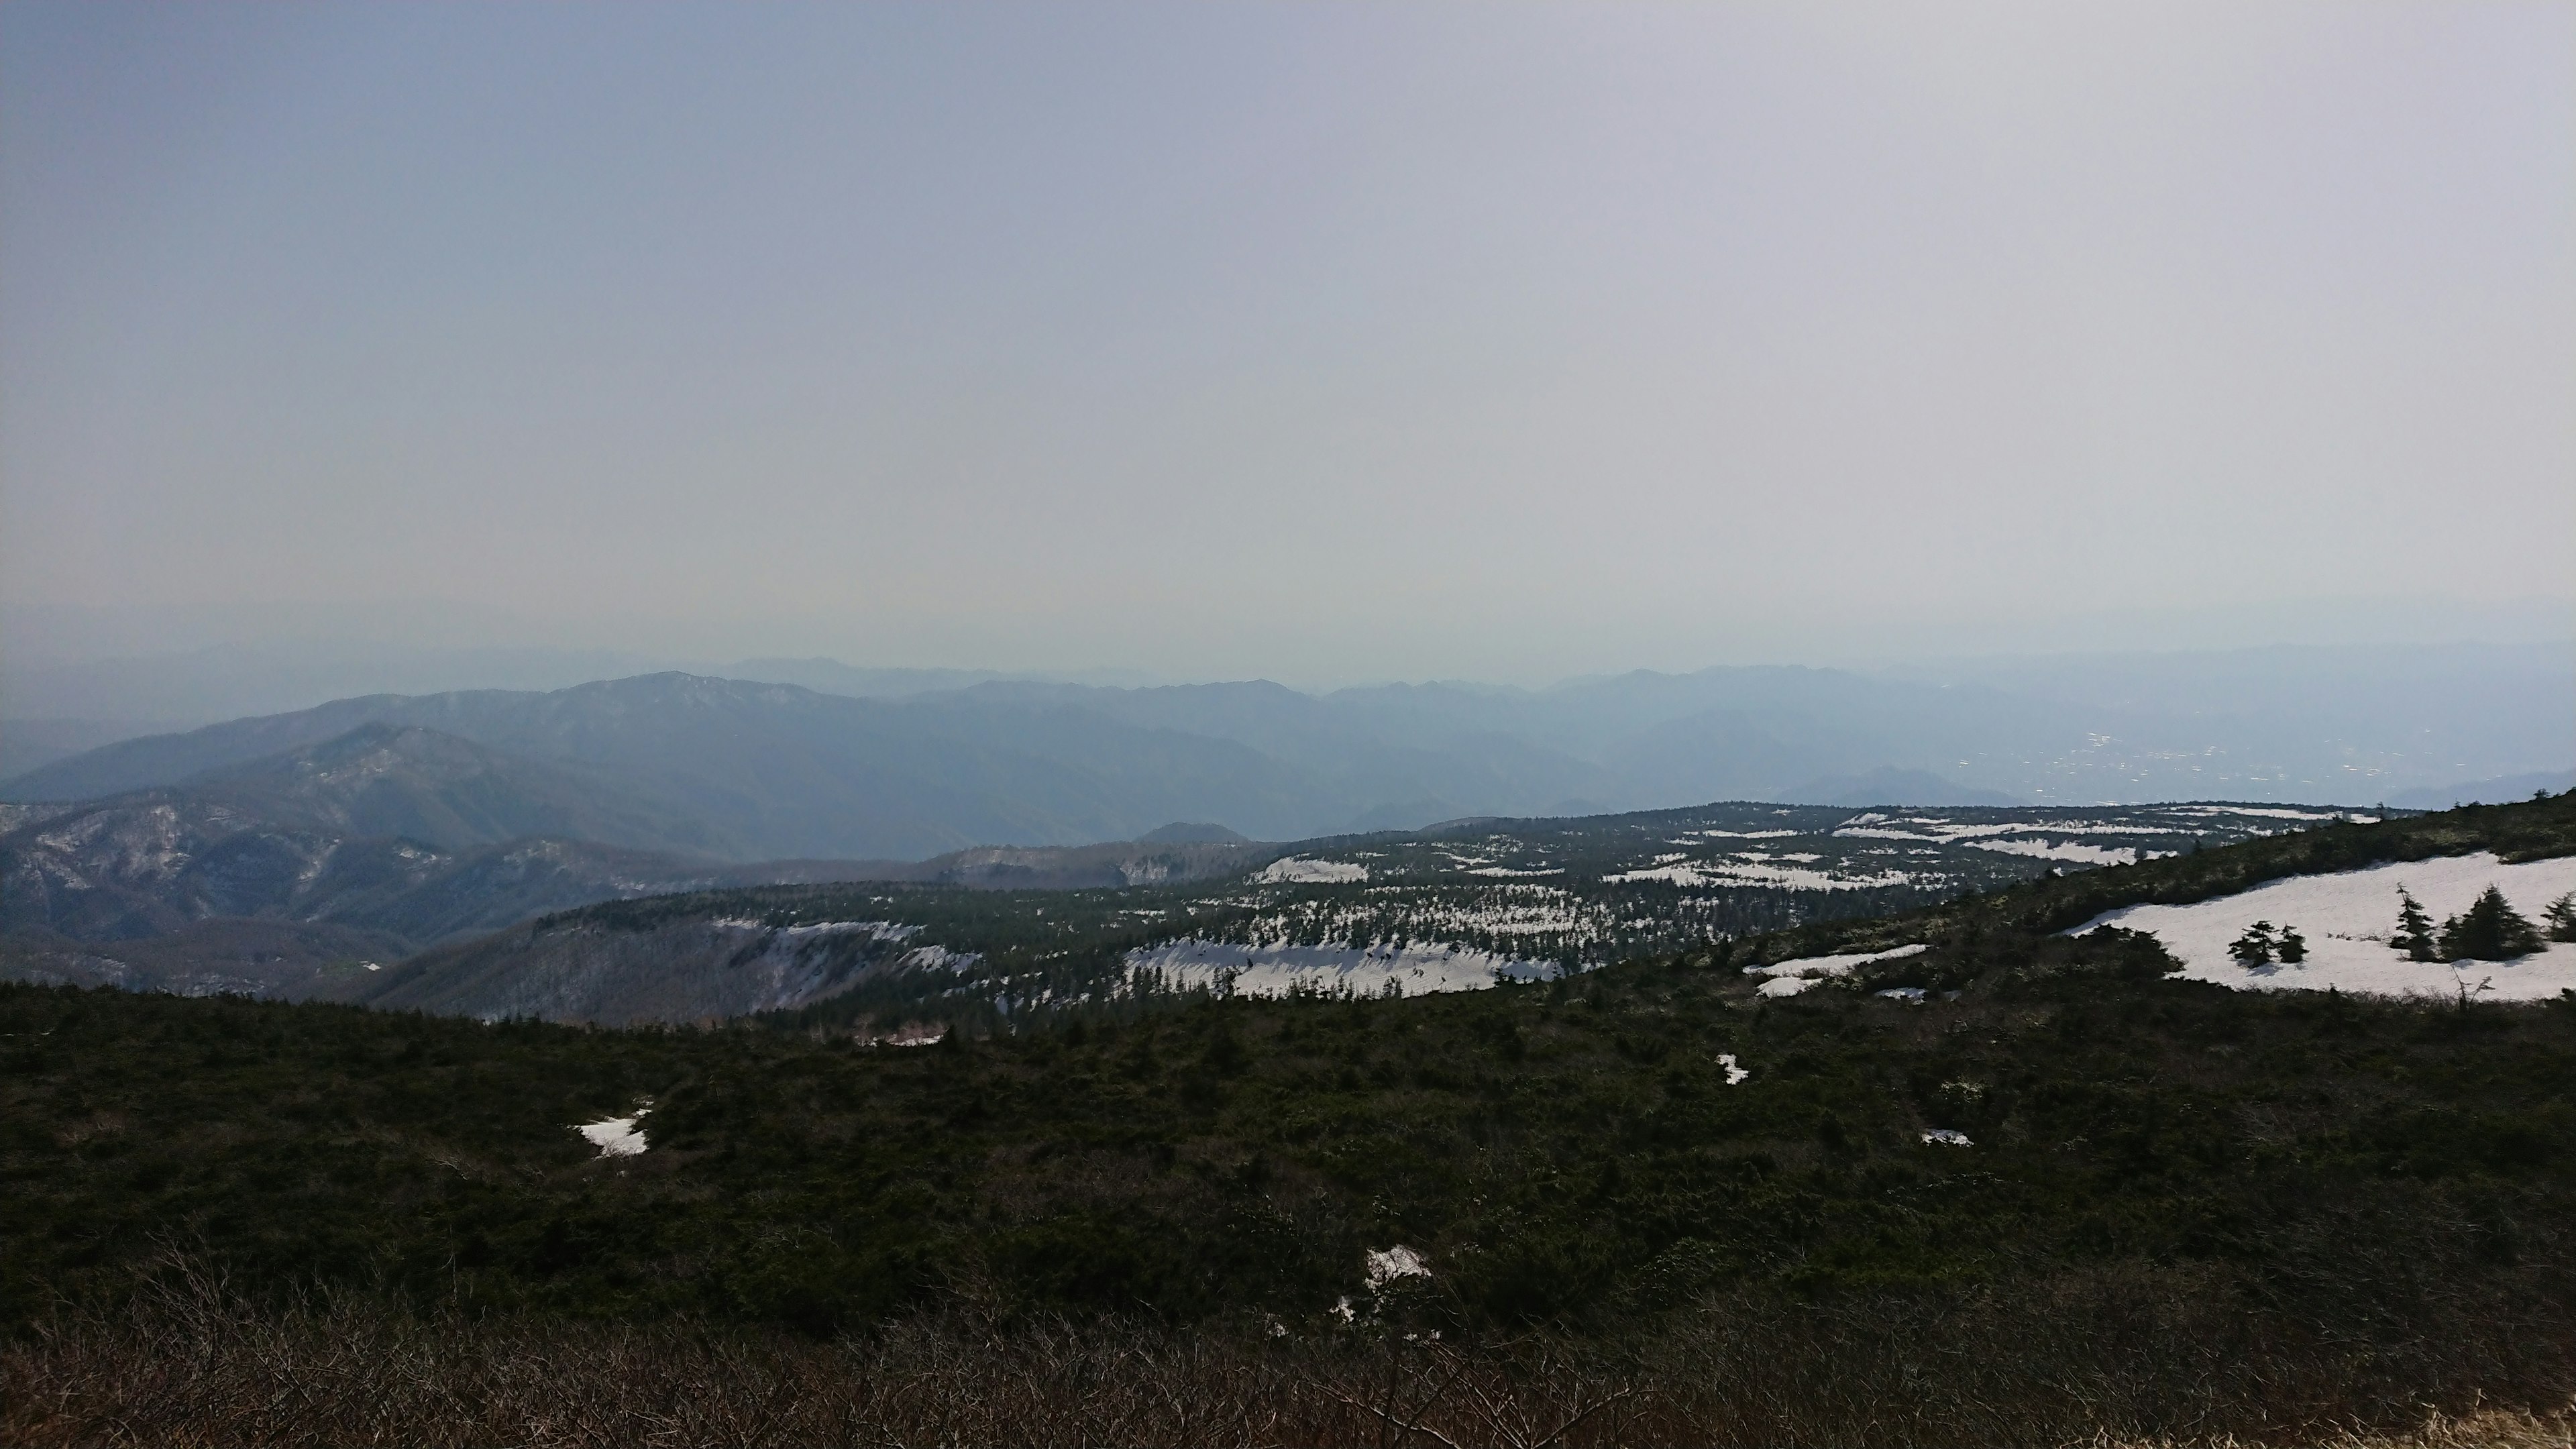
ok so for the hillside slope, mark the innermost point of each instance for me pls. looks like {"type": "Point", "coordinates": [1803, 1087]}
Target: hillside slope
{"type": "Point", "coordinates": [1441, 909]}
{"type": "Point", "coordinates": [2111, 1202]}
{"type": "Point", "coordinates": [437, 789]}
{"type": "Point", "coordinates": [2529, 830]}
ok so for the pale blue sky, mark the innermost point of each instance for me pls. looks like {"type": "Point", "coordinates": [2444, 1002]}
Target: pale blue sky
{"type": "Point", "coordinates": [1314, 341]}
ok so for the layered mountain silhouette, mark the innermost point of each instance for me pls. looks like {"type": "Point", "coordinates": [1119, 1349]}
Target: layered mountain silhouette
{"type": "Point", "coordinates": [397, 836]}
{"type": "Point", "coordinates": [402, 821]}
{"type": "Point", "coordinates": [763, 770]}
{"type": "Point", "coordinates": [743, 771]}
{"type": "Point", "coordinates": [427, 815]}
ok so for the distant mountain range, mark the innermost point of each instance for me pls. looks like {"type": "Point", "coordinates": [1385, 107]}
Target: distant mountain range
{"type": "Point", "coordinates": [406, 820]}
{"type": "Point", "coordinates": [906, 764]}
{"type": "Point", "coordinates": [406, 835]}
{"type": "Point", "coordinates": [2345, 724]}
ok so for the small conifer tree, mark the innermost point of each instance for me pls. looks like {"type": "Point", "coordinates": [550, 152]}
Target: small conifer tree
{"type": "Point", "coordinates": [2254, 948]}
{"type": "Point", "coordinates": [2561, 916]}
{"type": "Point", "coordinates": [2414, 928]}
{"type": "Point", "coordinates": [2489, 930]}
{"type": "Point", "coordinates": [2293, 947]}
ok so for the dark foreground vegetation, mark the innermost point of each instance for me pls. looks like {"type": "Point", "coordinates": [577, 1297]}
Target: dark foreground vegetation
{"type": "Point", "coordinates": [2098, 1359]}
{"type": "Point", "coordinates": [2178, 1213]}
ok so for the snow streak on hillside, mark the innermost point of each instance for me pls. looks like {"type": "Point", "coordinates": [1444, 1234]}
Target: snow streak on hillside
{"type": "Point", "coordinates": [1296, 871]}
{"type": "Point", "coordinates": [1788, 978]}
{"type": "Point", "coordinates": [1276, 969]}
{"type": "Point", "coordinates": [2347, 919]}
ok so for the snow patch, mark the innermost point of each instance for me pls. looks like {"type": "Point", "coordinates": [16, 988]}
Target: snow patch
{"type": "Point", "coordinates": [617, 1136]}
{"type": "Point", "coordinates": [2347, 918]}
{"type": "Point", "coordinates": [2269, 812]}
{"type": "Point", "coordinates": [1821, 966]}
{"type": "Point", "coordinates": [1295, 870]}
{"type": "Point", "coordinates": [1396, 1262]}
{"type": "Point", "coordinates": [1735, 1075]}
{"type": "Point", "coordinates": [2046, 849]}
{"type": "Point", "coordinates": [1948, 1137]}
{"type": "Point", "coordinates": [1788, 978]}
{"type": "Point", "coordinates": [1756, 873]}
{"type": "Point", "coordinates": [1281, 969]}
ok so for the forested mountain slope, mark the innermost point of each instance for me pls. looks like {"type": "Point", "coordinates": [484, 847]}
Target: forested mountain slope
{"type": "Point", "coordinates": [1455, 907]}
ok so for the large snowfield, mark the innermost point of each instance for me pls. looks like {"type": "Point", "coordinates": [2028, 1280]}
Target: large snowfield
{"type": "Point", "coordinates": [2347, 919]}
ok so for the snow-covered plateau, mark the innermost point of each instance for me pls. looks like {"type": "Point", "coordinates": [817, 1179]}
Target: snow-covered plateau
{"type": "Point", "coordinates": [2347, 919]}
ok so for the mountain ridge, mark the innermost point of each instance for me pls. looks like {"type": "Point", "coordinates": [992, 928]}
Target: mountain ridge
{"type": "Point", "coordinates": [765, 771]}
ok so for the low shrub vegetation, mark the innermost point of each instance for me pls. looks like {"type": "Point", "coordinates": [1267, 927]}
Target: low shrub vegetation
{"type": "Point", "coordinates": [2041, 1193]}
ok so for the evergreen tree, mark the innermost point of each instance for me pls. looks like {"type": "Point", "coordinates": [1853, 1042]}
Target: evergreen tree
{"type": "Point", "coordinates": [2490, 930]}
{"type": "Point", "coordinates": [2254, 948]}
{"type": "Point", "coordinates": [2293, 947]}
{"type": "Point", "coordinates": [2562, 917]}
{"type": "Point", "coordinates": [2414, 928]}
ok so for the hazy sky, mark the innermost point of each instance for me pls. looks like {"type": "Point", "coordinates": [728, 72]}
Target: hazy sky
{"type": "Point", "coordinates": [1308, 340]}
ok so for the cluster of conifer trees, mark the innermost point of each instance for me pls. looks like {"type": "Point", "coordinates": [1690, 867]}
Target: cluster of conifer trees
{"type": "Point", "coordinates": [2259, 946]}
{"type": "Point", "coordinates": [2489, 930]}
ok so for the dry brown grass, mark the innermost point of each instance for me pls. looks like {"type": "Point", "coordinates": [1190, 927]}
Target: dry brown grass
{"type": "Point", "coordinates": [2486, 1429]}
{"type": "Point", "coordinates": [2099, 1363]}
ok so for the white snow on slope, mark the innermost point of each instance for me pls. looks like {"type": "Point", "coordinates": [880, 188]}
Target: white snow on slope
{"type": "Point", "coordinates": [1298, 871]}
{"type": "Point", "coordinates": [879, 930]}
{"type": "Point", "coordinates": [1788, 978]}
{"type": "Point", "coordinates": [2347, 919]}
{"type": "Point", "coordinates": [1396, 1262]}
{"type": "Point", "coordinates": [2272, 812]}
{"type": "Point", "coordinates": [1277, 970]}
{"type": "Point", "coordinates": [1758, 873]}
{"type": "Point", "coordinates": [616, 1136]}
{"type": "Point", "coordinates": [2074, 850]}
